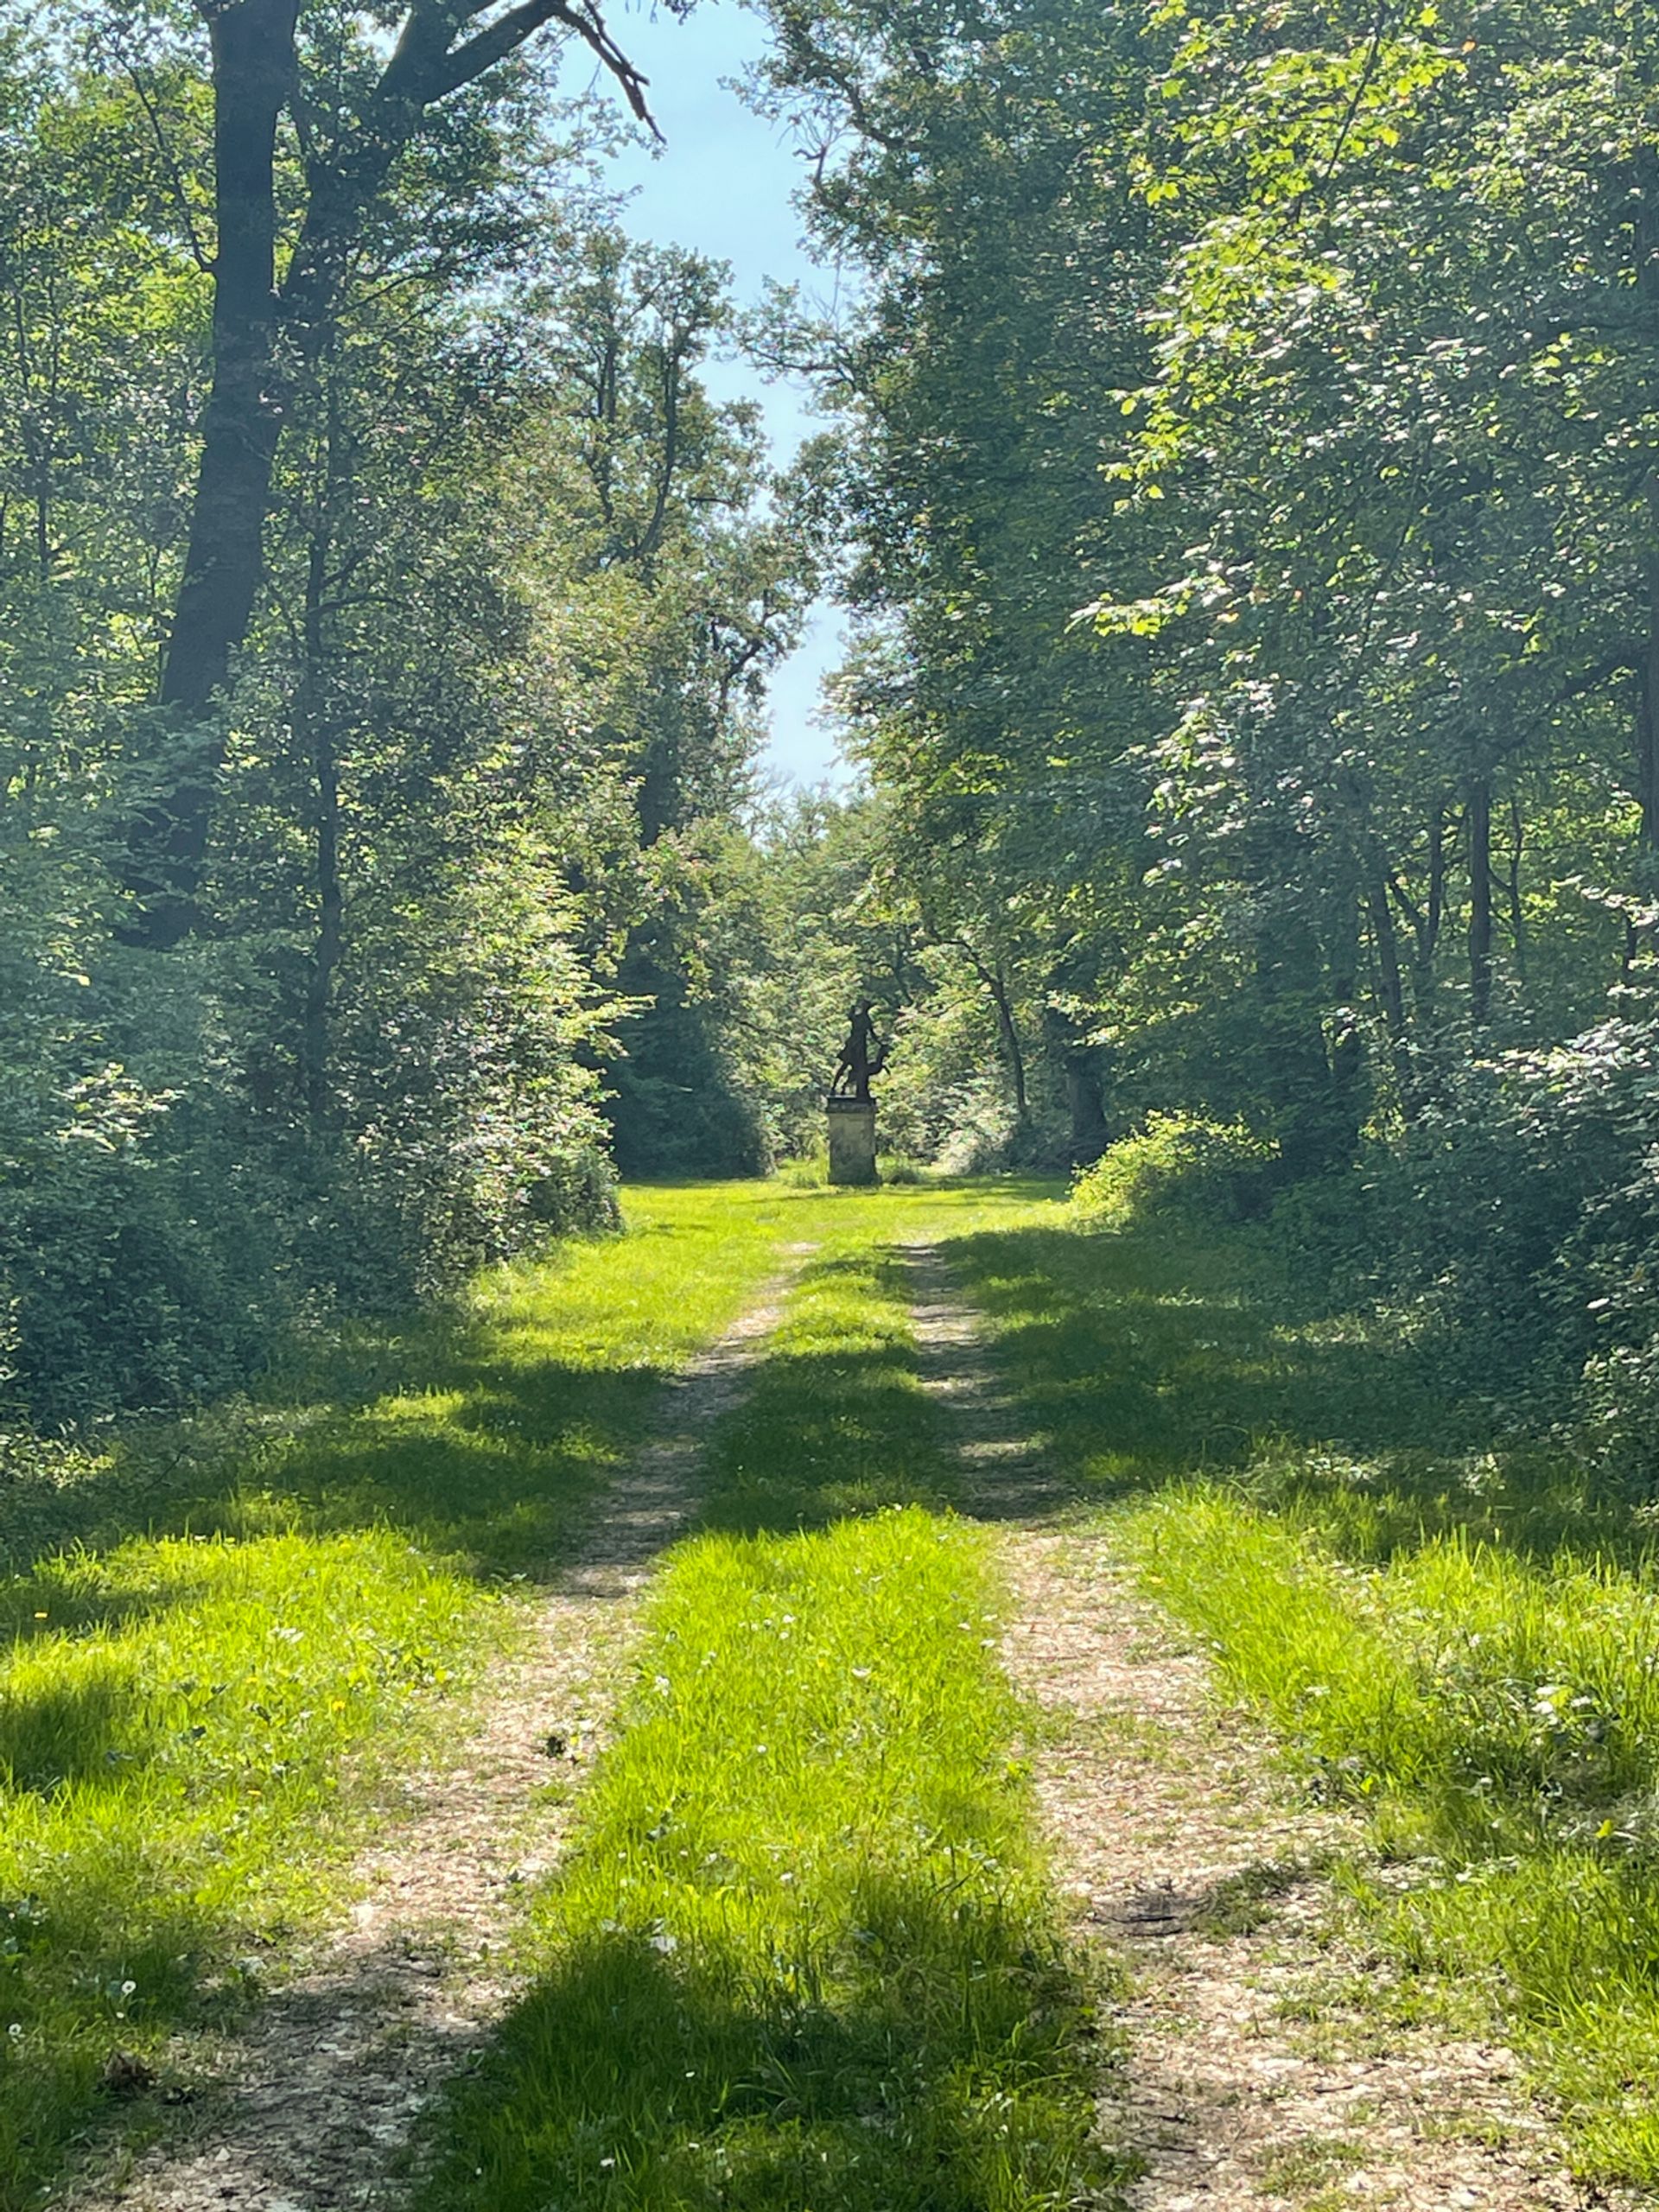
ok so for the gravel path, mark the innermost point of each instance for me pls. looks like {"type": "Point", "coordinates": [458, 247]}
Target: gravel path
{"type": "Point", "coordinates": [1265, 2065]}
{"type": "Point", "coordinates": [321, 2093]}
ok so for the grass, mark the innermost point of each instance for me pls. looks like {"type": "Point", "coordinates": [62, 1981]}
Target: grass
{"type": "Point", "coordinates": [836, 1422]}
{"type": "Point", "coordinates": [218, 1634]}
{"type": "Point", "coordinates": [1457, 1634]}
{"type": "Point", "coordinates": [803, 1957]}
{"type": "Point", "coordinates": [174, 1718]}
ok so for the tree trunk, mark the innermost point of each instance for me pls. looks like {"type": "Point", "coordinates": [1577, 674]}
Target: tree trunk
{"type": "Point", "coordinates": [1385, 950]}
{"type": "Point", "coordinates": [253, 61]}
{"type": "Point", "coordinates": [1080, 1070]}
{"type": "Point", "coordinates": [312, 712]}
{"type": "Point", "coordinates": [996, 984]}
{"type": "Point", "coordinates": [1311, 1088]}
{"type": "Point", "coordinates": [255, 67]}
{"type": "Point", "coordinates": [1647, 707]}
{"type": "Point", "coordinates": [1478, 815]}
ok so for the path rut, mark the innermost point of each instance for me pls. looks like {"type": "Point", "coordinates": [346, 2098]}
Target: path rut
{"type": "Point", "coordinates": [1264, 2066]}
{"type": "Point", "coordinates": [320, 2095]}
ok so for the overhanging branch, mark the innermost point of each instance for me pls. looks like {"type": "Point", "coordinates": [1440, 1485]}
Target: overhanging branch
{"type": "Point", "coordinates": [467, 62]}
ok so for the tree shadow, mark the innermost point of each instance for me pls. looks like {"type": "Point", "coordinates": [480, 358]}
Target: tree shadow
{"type": "Point", "coordinates": [834, 1423]}
{"type": "Point", "coordinates": [924, 2054]}
{"type": "Point", "coordinates": [1142, 1359]}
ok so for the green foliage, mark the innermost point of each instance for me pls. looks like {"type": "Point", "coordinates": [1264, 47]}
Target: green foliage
{"type": "Point", "coordinates": [1497, 1713]}
{"type": "Point", "coordinates": [1448, 1628]}
{"type": "Point", "coordinates": [1175, 1164]}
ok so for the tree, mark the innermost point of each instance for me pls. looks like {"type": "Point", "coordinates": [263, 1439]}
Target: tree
{"type": "Point", "coordinates": [355, 118]}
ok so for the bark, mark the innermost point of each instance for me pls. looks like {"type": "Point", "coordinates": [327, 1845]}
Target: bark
{"type": "Point", "coordinates": [1007, 1029]}
{"type": "Point", "coordinates": [1647, 707]}
{"type": "Point", "coordinates": [313, 712]}
{"type": "Point", "coordinates": [253, 61]}
{"type": "Point", "coordinates": [1385, 951]}
{"type": "Point", "coordinates": [1517, 905]}
{"type": "Point", "coordinates": [1645, 238]}
{"type": "Point", "coordinates": [1080, 1078]}
{"type": "Point", "coordinates": [263, 339]}
{"type": "Point", "coordinates": [1478, 815]}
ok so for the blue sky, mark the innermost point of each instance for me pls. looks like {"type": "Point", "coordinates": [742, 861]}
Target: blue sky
{"type": "Point", "coordinates": [723, 186]}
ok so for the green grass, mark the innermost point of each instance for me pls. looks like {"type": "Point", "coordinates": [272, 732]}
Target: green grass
{"type": "Point", "coordinates": [212, 1625]}
{"type": "Point", "coordinates": [172, 1719]}
{"type": "Point", "coordinates": [1456, 1633]}
{"type": "Point", "coordinates": [221, 1630]}
{"type": "Point", "coordinates": [803, 1957]}
{"type": "Point", "coordinates": [836, 1422]}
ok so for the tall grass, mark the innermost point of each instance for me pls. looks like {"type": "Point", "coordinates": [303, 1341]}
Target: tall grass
{"type": "Point", "coordinates": [220, 1630]}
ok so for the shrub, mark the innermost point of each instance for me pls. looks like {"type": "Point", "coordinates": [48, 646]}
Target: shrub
{"type": "Point", "coordinates": [1175, 1163]}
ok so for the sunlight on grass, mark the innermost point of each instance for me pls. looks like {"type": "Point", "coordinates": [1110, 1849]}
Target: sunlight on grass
{"type": "Point", "coordinates": [1501, 1717]}
{"type": "Point", "coordinates": [172, 1723]}
{"type": "Point", "coordinates": [179, 1707]}
{"type": "Point", "coordinates": [1455, 1633]}
{"type": "Point", "coordinates": [802, 1956]}
{"type": "Point", "coordinates": [837, 1421]}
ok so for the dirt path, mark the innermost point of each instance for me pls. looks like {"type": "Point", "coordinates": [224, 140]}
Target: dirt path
{"type": "Point", "coordinates": [1269, 2063]}
{"type": "Point", "coordinates": [322, 2092]}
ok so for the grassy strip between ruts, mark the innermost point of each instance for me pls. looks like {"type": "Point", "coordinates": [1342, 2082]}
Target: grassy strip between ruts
{"type": "Point", "coordinates": [803, 1958]}
{"type": "Point", "coordinates": [178, 1708]}
{"type": "Point", "coordinates": [1464, 1639]}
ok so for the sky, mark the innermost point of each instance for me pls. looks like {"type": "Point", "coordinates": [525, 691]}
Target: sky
{"type": "Point", "coordinates": [722, 185]}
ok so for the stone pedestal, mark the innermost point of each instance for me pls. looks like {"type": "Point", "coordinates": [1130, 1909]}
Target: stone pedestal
{"type": "Point", "coordinates": [852, 1142]}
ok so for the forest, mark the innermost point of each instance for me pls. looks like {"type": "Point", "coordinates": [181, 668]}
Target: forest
{"type": "Point", "coordinates": [1236, 467]}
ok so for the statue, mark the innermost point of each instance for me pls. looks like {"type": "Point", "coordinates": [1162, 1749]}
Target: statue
{"type": "Point", "coordinates": [851, 1108]}
{"type": "Point", "coordinates": [860, 1061]}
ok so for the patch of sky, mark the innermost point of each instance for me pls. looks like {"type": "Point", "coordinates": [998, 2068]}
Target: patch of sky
{"type": "Point", "coordinates": [723, 183]}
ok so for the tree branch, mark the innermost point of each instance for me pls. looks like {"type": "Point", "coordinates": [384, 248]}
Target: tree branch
{"type": "Point", "coordinates": [508, 33]}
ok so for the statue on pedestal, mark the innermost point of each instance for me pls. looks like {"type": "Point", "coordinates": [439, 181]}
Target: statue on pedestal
{"type": "Point", "coordinates": [851, 1108]}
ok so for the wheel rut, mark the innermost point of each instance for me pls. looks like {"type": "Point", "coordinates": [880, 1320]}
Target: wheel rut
{"type": "Point", "coordinates": [1270, 2063]}
{"type": "Point", "coordinates": [318, 2099]}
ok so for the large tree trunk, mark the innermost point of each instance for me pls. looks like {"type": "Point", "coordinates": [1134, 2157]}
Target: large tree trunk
{"type": "Point", "coordinates": [263, 338]}
{"type": "Point", "coordinates": [253, 77]}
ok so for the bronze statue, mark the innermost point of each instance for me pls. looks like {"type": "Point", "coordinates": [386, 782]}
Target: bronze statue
{"type": "Point", "coordinates": [860, 1060]}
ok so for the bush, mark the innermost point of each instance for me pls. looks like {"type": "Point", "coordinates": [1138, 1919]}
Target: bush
{"type": "Point", "coordinates": [1175, 1163]}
